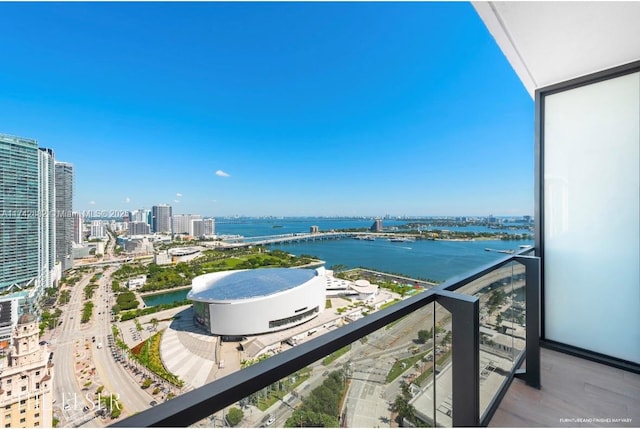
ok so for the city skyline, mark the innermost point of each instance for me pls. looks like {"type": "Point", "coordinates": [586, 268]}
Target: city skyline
{"type": "Point", "coordinates": [273, 109]}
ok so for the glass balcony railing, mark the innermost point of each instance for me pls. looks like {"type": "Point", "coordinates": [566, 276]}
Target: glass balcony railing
{"type": "Point", "coordinates": [441, 358]}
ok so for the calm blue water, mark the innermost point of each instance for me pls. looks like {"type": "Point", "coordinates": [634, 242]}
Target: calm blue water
{"type": "Point", "coordinates": [437, 260]}
{"type": "Point", "coordinates": [166, 298]}
{"type": "Point", "coordinates": [262, 227]}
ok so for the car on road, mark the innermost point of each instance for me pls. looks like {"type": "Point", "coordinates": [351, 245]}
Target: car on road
{"type": "Point", "coordinates": [99, 345]}
{"type": "Point", "coordinates": [153, 403]}
{"type": "Point", "coordinates": [270, 420]}
{"type": "Point", "coordinates": [67, 406]}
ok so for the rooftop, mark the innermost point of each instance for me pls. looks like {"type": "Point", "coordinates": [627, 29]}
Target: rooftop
{"type": "Point", "coordinates": [246, 284]}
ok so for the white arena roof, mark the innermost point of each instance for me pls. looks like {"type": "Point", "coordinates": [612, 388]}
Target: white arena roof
{"type": "Point", "coordinates": [252, 283]}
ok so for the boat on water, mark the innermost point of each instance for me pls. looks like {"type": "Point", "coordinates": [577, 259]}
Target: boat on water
{"type": "Point", "coordinates": [370, 238]}
{"type": "Point", "coordinates": [509, 252]}
{"type": "Point", "coordinates": [401, 240]}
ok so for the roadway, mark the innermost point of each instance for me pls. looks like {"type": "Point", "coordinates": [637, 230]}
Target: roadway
{"type": "Point", "coordinates": [65, 345]}
{"type": "Point", "coordinates": [80, 366]}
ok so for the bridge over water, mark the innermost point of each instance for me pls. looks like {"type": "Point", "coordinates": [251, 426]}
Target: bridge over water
{"type": "Point", "coordinates": [305, 237]}
{"type": "Point", "coordinates": [290, 238]}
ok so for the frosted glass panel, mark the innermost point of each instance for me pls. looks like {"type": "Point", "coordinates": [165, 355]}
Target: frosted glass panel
{"type": "Point", "coordinates": [592, 217]}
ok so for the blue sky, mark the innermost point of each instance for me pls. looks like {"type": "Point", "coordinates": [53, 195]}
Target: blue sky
{"type": "Point", "coordinates": [293, 109]}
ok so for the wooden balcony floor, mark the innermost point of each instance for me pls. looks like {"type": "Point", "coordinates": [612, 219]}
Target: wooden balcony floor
{"type": "Point", "coordinates": [572, 389]}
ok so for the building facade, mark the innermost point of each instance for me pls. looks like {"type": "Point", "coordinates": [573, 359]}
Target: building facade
{"type": "Point", "coordinates": [203, 227]}
{"type": "Point", "coordinates": [140, 215]}
{"type": "Point", "coordinates": [78, 228]}
{"type": "Point", "coordinates": [138, 228]}
{"type": "Point", "coordinates": [183, 223]}
{"type": "Point", "coordinates": [46, 219]}
{"type": "Point", "coordinates": [64, 214]}
{"type": "Point", "coordinates": [98, 229]}
{"type": "Point", "coordinates": [26, 380]}
{"type": "Point", "coordinates": [208, 228]}
{"type": "Point", "coordinates": [8, 319]}
{"type": "Point", "coordinates": [19, 206]}
{"type": "Point", "coordinates": [250, 302]}
{"type": "Point", "coordinates": [161, 218]}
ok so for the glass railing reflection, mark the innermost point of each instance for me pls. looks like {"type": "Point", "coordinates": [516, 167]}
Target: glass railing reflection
{"type": "Point", "coordinates": [502, 325]}
{"type": "Point", "coordinates": [433, 390]}
{"type": "Point", "coordinates": [380, 380]}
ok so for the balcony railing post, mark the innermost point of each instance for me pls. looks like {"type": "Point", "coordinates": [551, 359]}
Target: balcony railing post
{"type": "Point", "coordinates": [532, 294]}
{"type": "Point", "coordinates": [465, 356]}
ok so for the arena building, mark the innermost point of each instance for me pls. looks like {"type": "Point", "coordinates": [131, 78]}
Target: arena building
{"type": "Point", "coordinates": [250, 302]}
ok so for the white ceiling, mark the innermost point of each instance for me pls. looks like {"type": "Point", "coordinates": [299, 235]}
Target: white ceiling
{"type": "Point", "coordinates": [551, 42]}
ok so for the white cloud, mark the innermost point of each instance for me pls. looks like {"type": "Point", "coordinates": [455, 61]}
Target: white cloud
{"type": "Point", "coordinates": [221, 173]}
{"type": "Point", "coordinates": [178, 195]}
{"type": "Point", "coordinates": [127, 200]}
{"type": "Point", "coordinates": [176, 201]}
{"type": "Point", "coordinates": [92, 202]}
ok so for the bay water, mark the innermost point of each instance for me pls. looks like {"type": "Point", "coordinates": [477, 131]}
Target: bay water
{"type": "Point", "coordinates": [423, 259]}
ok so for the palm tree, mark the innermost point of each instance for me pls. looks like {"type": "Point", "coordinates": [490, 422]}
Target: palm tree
{"type": "Point", "coordinates": [154, 323]}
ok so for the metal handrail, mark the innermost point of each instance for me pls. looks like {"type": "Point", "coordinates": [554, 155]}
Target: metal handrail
{"type": "Point", "coordinates": [202, 402]}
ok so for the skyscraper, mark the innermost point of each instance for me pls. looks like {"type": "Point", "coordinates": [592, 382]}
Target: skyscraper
{"type": "Point", "coordinates": [97, 229]}
{"type": "Point", "coordinates": [19, 205]}
{"type": "Point", "coordinates": [46, 219]}
{"type": "Point", "coordinates": [161, 218]}
{"type": "Point", "coordinates": [182, 223]}
{"type": "Point", "coordinates": [209, 226]}
{"type": "Point", "coordinates": [138, 228]}
{"type": "Point", "coordinates": [203, 227]}
{"type": "Point", "coordinates": [140, 215]}
{"type": "Point", "coordinates": [78, 230]}
{"type": "Point", "coordinates": [63, 214]}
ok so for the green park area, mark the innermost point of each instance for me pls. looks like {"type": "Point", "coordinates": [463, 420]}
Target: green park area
{"type": "Point", "coordinates": [160, 277]}
{"type": "Point", "coordinates": [167, 277]}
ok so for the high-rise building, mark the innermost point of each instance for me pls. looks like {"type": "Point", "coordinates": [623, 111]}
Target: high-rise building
{"type": "Point", "coordinates": [78, 228]}
{"type": "Point", "coordinates": [63, 214]}
{"type": "Point", "coordinates": [182, 223]}
{"type": "Point", "coordinates": [46, 219]}
{"type": "Point", "coordinates": [140, 215]}
{"type": "Point", "coordinates": [26, 380]}
{"type": "Point", "coordinates": [19, 206]}
{"type": "Point", "coordinates": [138, 228]}
{"type": "Point", "coordinates": [202, 227]}
{"type": "Point", "coordinates": [161, 218]}
{"type": "Point", "coordinates": [376, 226]}
{"type": "Point", "coordinates": [197, 226]}
{"type": "Point", "coordinates": [98, 229]}
{"type": "Point", "coordinates": [209, 227]}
